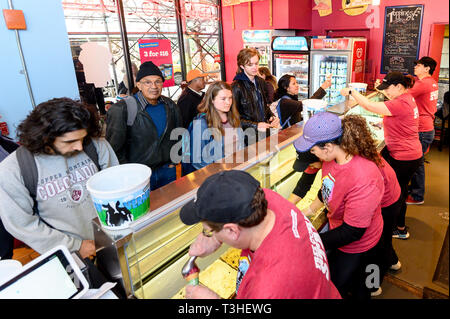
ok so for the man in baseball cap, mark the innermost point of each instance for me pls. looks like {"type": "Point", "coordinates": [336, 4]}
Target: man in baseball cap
{"type": "Point", "coordinates": [191, 96]}
{"type": "Point", "coordinates": [277, 257]}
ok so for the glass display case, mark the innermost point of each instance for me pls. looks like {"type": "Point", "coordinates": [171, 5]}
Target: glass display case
{"type": "Point", "coordinates": [147, 258]}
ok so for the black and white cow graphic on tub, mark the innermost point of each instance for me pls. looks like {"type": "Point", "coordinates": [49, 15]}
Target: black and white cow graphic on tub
{"type": "Point", "coordinates": [116, 215]}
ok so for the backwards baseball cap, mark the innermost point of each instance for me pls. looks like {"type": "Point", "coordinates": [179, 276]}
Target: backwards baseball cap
{"type": "Point", "coordinates": [303, 160]}
{"type": "Point", "coordinates": [427, 61]}
{"type": "Point", "coordinates": [193, 74]}
{"type": "Point", "coordinates": [224, 197]}
{"type": "Point", "coordinates": [392, 78]}
{"type": "Point", "coordinates": [321, 127]}
{"type": "Point", "coordinates": [148, 68]}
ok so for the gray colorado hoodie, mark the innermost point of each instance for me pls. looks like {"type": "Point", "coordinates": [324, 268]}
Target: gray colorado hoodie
{"type": "Point", "coordinates": [63, 200]}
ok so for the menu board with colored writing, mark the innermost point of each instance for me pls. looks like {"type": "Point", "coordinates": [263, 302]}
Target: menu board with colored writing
{"type": "Point", "coordinates": [401, 39]}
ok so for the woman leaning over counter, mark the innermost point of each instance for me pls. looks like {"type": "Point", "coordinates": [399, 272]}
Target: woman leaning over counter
{"type": "Point", "coordinates": [352, 189]}
{"type": "Point", "coordinates": [403, 150]}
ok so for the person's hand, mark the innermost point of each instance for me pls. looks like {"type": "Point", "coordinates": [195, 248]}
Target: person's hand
{"type": "Point", "coordinates": [262, 126]}
{"type": "Point", "coordinates": [317, 165]}
{"type": "Point", "coordinates": [327, 83]}
{"type": "Point", "coordinates": [204, 246]}
{"type": "Point", "coordinates": [87, 248]}
{"type": "Point", "coordinates": [200, 292]}
{"type": "Point", "coordinates": [377, 82]}
{"type": "Point", "coordinates": [275, 122]}
{"type": "Point", "coordinates": [345, 91]}
{"type": "Point", "coordinates": [308, 211]}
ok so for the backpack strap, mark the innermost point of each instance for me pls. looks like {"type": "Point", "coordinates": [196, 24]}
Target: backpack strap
{"type": "Point", "coordinates": [279, 112]}
{"type": "Point", "coordinates": [28, 169]}
{"type": "Point", "coordinates": [91, 151]}
{"type": "Point", "coordinates": [132, 109]}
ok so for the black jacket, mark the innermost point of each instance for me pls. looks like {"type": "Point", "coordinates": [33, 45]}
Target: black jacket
{"type": "Point", "coordinates": [246, 98]}
{"type": "Point", "coordinates": [187, 103]}
{"type": "Point", "coordinates": [140, 143]}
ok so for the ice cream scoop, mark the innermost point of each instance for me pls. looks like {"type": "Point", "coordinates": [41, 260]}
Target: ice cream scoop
{"type": "Point", "coordinates": [190, 271]}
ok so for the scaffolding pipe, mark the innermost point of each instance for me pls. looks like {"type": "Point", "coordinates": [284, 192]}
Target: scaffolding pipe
{"type": "Point", "coordinates": [113, 64]}
{"type": "Point", "coordinates": [180, 38]}
{"type": "Point", "coordinates": [126, 49]}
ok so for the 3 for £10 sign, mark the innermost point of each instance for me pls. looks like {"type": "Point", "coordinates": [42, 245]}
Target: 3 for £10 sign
{"type": "Point", "coordinates": [160, 53]}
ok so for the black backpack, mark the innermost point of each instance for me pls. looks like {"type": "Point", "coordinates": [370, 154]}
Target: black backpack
{"type": "Point", "coordinates": [29, 173]}
{"type": "Point", "coordinates": [7, 146]}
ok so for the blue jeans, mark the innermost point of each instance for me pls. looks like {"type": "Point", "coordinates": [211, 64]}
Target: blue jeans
{"type": "Point", "coordinates": [417, 188]}
{"type": "Point", "coordinates": [162, 176]}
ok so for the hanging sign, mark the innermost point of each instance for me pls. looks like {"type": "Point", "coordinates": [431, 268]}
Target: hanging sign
{"type": "Point", "coordinates": [330, 44]}
{"type": "Point", "coordinates": [160, 53]}
{"type": "Point", "coordinates": [290, 44]}
{"type": "Point", "coordinates": [355, 7]}
{"type": "Point", "coordinates": [348, 4]}
{"type": "Point", "coordinates": [324, 7]}
{"type": "Point", "coordinates": [257, 36]}
{"type": "Point", "coordinates": [227, 3]}
{"type": "Point", "coordinates": [401, 39]}
{"type": "Point", "coordinates": [359, 55]}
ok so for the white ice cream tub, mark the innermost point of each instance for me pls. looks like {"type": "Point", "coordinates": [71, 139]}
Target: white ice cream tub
{"type": "Point", "coordinates": [121, 194]}
{"type": "Point", "coordinates": [314, 105]}
{"type": "Point", "coordinates": [357, 86]}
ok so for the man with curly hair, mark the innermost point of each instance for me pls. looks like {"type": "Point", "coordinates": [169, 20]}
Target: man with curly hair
{"type": "Point", "coordinates": [55, 133]}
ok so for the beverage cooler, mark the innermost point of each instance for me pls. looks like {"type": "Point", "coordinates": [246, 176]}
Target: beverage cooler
{"type": "Point", "coordinates": [260, 40]}
{"type": "Point", "coordinates": [344, 58]}
{"type": "Point", "coordinates": [290, 55]}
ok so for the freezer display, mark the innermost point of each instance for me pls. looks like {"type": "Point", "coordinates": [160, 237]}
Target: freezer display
{"type": "Point", "coordinates": [337, 66]}
{"type": "Point", "coordinates": [294, 64]}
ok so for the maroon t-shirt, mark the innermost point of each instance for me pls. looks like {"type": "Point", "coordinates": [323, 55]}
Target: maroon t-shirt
{"type": "Point", "coordinates": [392, 188]}
{"type": "Point", "coordinates": [352, 193]}
{"type": "Point", "coordinates": [290, 263]}
{"type": "Point", "coordinates": [401, 130]}
{"type": "Point", "coordinates": [425, 93]}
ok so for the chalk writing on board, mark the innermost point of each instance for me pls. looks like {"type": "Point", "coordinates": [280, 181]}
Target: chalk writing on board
{"type": "Point", "coordinates": [401, 38]}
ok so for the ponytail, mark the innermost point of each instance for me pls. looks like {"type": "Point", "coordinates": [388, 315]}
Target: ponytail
{"type": "Point", "coordinates": [357, 139]}
{"type": "Point", "coordinates": [409, 81]}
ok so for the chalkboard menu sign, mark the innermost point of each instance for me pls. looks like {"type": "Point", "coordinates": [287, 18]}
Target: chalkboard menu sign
{"type": "Point", "coordinates": [401, 39]}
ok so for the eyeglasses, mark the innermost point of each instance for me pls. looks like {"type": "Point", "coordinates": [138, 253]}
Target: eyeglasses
{"type": "Point", "coordinates": [150, 83]}
{"type": "Point", "coordinates": [207, 233]}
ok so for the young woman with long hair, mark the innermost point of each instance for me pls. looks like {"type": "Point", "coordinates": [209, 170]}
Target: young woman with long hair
{"type": "Point", "coordinates": [352, 189]}
{"type": "Point", "coordinates": [215, 131]}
